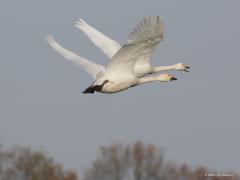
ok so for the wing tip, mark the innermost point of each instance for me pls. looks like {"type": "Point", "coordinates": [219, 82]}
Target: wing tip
{"type": "Point", "coordinates": [153, 19]}
{"type": "Point", "coordinates": [80, 22]}
{"type": "Point", "coordinates": [49, 38]}
{"type": "Point", "coordinates": [151, 24]}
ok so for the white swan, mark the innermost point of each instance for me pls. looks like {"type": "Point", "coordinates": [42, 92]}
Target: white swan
{"type": "Point", "coordinates": [110, 47]}
{"type": "Point", "coordinates": [119, 73]}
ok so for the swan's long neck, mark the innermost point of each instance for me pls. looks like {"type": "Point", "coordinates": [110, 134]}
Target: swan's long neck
{"type": "Point", "coordinates": [143, 80]}
{"type": "Point", "coordinates": [163, 68]}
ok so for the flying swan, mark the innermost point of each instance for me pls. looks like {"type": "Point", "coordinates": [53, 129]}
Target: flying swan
{"type": "Point", "coordinates": [110, 47]}
{"type": "Point", "coordinates": [120, 72]}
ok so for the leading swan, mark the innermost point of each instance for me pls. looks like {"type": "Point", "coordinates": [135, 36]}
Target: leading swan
{"type": "Point", "coordinates": [119, 73]}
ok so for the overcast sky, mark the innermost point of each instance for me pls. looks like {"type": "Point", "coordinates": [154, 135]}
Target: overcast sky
{"type": "Point", "coordinates": [196, 118]}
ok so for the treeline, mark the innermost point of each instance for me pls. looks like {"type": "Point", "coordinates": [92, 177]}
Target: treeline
{"type": "Point", "coordinates": [114, 162]}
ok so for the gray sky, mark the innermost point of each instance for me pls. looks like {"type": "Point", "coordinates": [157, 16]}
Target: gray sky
{"type": "Point", "coordinates": [195, 118]}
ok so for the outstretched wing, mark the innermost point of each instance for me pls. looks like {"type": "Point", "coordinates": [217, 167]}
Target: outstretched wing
{"type": "Point", "coordinates": [140, 45]}
{"type": "Point", "coordinates": [103, 42]}
{"type": "Point", "coordinates": [149, 31]}
{"type": "Point", "coordinates": [92, 68]}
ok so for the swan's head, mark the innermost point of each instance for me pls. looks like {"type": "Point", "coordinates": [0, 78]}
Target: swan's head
{"type": "Point", "coordinates": [166, 77]}
{"type": "Point", "coordinates": [182, 67]}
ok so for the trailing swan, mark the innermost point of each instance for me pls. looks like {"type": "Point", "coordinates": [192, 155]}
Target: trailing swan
{"type": "Point", "coordinates": [119, 73]}
{"type": "Point", "coordinates": [110, 47]}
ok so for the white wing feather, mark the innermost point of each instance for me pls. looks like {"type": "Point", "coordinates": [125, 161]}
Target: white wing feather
{"type": "Point", "coordinates": [103, 42]}
{"type": "Point", "coordinates": [92, 68]}
{"type": "Point", "coordinates": [149, 31]}
{"type": "Point", "coordinates": [140, 45]}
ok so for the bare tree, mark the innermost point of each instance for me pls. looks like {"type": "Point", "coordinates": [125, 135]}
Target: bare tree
{"type": "Point", "coordinates": [119, 162]}
{"type": "Point", "coordinates": [25, 164]}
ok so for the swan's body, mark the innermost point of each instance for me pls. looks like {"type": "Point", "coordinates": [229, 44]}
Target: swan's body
{"type": "Point", "coordinates": [110, 47]}
{"type": "Point", "coordinates": [119, 73]}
